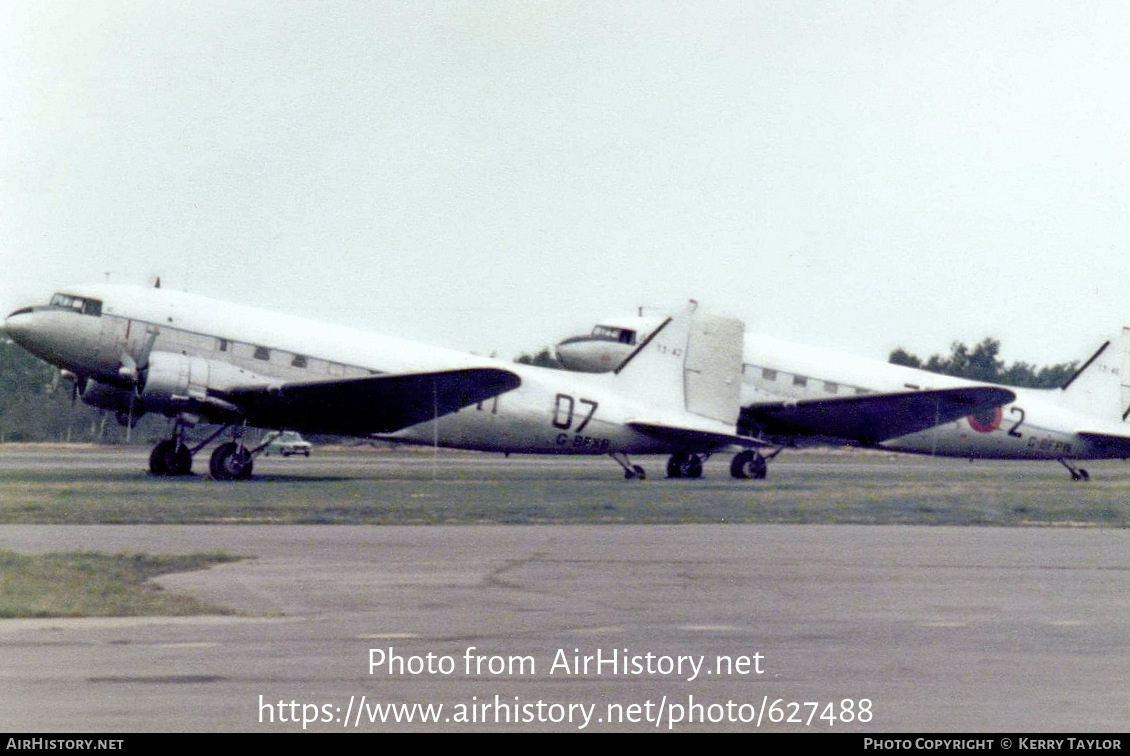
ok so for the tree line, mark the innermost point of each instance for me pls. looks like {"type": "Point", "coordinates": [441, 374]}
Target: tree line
{"type": "Point", "coordinates": [36, 404]}
{"type": "Point", "coordinates": [981, 363]}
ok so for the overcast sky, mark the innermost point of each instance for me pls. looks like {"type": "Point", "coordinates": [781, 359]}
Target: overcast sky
{"type": "Point", "coordinates": [494, 176]}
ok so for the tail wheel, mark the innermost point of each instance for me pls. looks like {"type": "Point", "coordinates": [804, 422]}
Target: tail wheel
{"type": "Point", "coordinates": [635, 473]}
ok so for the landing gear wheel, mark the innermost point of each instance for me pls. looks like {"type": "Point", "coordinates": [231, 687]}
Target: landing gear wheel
{"type": "Point", "coordinates": [684, 465]}
{"type": "Point", "coordinates": [1077, 473]}
{"type": "Point", "coordinates": [749, 464]}
{"type": "Point", "coordinates": [636, 473]}
{"type": "Point", "coordinates": [170, 458]}
{"type": "Point", "coordinates": [230, 461]}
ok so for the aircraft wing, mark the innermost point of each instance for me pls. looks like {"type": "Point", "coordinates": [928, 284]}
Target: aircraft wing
{"type": "Point", "coordinates": [1109, 444]}
{"type": "Point", "coordinates": [870, 418]}
{"type": "Point", "coordinates": [373, 404]}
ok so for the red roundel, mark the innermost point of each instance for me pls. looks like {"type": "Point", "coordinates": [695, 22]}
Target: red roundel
{"type": "Point", "coordinates": [986, 421]}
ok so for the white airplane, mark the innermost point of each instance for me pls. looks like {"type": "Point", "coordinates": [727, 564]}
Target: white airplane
{"type": "Point", "coordinates": [795, 394]}
{"type": "Point", "coordinates": [135, 350]}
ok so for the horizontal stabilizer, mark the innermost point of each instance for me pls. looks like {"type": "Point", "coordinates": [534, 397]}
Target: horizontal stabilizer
{"type": "Point", "coordinates": [374, 404]}
{"type": "Point", "coordinates": [871, 418]}
{"type": "Point", "coordinates": [1107, 444]}
{"type": "Point", "coordinates": [691, 438]}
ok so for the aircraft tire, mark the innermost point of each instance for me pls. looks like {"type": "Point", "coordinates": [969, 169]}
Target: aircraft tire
{"type": "Point", "coordinates": [749, 464]}
{"type": "Point", "coordinates": [230, 461]}
{"type": "Point", "coordinates": [159, 459]}
{"type": "Point", "coordinates": [675, 466]}
{"type": "Point", "coordinates": [692, 466]}
{"type": "Point", "coordinates": [636, 473]}
{"type": "Point", "coordinates": [170, 458]}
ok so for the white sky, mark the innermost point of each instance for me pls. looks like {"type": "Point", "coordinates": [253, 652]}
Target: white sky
{"type": "Point", "coordinates": [494, 176]}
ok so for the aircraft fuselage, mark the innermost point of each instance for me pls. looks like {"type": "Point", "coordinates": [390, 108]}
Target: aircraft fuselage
{"type": "Point", "coordinates": [191, 349]}
{"type": "Point", "coordinates": [1040, 424]}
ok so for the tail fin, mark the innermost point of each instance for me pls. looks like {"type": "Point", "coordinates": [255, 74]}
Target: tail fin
{"type": "Point", "coordinates": [653, 373]}
{"type": "Point", "coordinates": [1102, 385]}
{"type": "Point", "coordinates": [713, 370]}
{"type": "Point", "coordinates": [692, 362]}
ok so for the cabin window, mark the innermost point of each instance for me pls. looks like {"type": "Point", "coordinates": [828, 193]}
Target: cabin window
{"type": "Point", "coordinates": [862, 391]}
{"type": "Point", "coordinates": [92, 307]}
{"type": "Point", "coordinates": [831, 387]}
{"type": "Point", "coordinates": [222, 345]}
{"type": "Point", "coordinates": [800, 380]}
{"type": "Point", "coordinates": [299, 361]}
{"type": "Point", "coordinates": [769, 374]}
{"type": "Point", "coordinates": [262, 353]}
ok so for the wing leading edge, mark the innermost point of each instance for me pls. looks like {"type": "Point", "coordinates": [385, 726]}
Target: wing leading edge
{"type": "Point", "coordinates": [374, 404]}
{"type": "Point", "coordinates": [871, 418]}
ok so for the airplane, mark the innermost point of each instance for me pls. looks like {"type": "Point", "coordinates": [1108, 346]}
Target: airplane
{"type": "Point", "coordinates": [197, 360]}
{"type": "Point", "coordinates": [606, 346]}
{"type": "Point", "coordinates": [794, 394]}
{"type": "Point", "coordinates": [134, 350]}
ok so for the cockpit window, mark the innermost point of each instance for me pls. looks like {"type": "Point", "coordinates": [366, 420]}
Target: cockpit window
{"type": "Point", "coordinates": [78, 304]}
{"type": "Point", "coordinates": [610, 333]}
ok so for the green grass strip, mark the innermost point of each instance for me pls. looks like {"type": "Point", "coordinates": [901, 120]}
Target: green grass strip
{"type": "Point", "coordinates": [89, 584]}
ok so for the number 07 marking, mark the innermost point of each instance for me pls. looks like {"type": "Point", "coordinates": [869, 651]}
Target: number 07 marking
{"type": "Point", "coordinates": [564, 409]}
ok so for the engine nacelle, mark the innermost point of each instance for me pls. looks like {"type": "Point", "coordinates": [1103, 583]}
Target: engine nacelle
{"type": "Point", "coordinates": [176, 383]}
{"type": "Point", "coordinates": [175, 379]}
{"type": "Point", "coordinates": [104, 396]}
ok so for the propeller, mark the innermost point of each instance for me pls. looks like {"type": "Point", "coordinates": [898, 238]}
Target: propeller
{"type": "Point", "coordinates": [77, 383]}
{"type": "Point", "coordinates": [133, 370]}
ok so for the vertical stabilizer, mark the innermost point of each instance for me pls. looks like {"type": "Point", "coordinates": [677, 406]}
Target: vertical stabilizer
{"type": "Point", "coordinates": [1102, 385]}
{"type": "Point", "coordinates": [653, 373]}
{"type": "Point", "coordinates": [713, 370]}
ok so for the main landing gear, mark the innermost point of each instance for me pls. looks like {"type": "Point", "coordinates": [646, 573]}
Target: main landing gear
{"type": "Point", "coordinates": [171, 457]}
{"type": "Point", "coordinates": [749, 464]}
{"type": "Point", "coordinates": [1077, 473]}
{"type": "Point", "coordinates": [752, 464]}
{"type": "Point", "coordinates": [684, 465]}
{"type": "Point", "coordinates": [745, 465]}
{"type": "Point", "coordinates": [229, 461]}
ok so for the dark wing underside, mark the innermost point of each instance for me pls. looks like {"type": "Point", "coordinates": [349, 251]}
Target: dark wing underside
{"type": "Point", "coordinates": [1107, 444]}
{"type": "Point", "coordinates": [374, 404]}
{"type": "Point", "coordinates": [872, 418]}
{"type": "Point", "coordinates": [689, 438]}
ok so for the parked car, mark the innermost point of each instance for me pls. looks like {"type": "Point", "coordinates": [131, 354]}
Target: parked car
{"type": "Point", "coordinates": [287, 443]}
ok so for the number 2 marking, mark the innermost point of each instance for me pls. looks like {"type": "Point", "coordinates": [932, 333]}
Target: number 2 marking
{"type": "Point", "coordinates": [1012, 431]}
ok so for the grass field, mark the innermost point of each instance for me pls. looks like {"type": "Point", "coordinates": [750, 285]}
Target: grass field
{"type": "Point", "coordinates": [86, 584]}
{"type": "Point", "coordinates": [86, 486]}
{"type": "Point", "coordinates": [415, 487]}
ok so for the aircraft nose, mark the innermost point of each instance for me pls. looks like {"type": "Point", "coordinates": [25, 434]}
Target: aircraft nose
{"type": "Point", "coordinates": [19, 326]}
